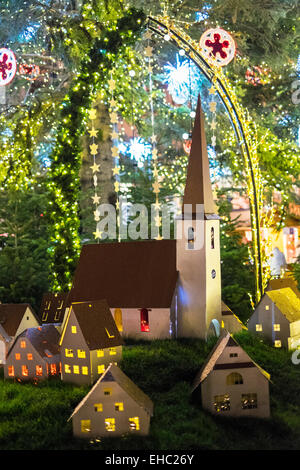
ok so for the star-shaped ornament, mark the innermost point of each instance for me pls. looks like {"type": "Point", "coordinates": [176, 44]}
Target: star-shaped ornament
{"type": "Point", "coordinates": [95, 167]}
{"type": "Point", "coordinates": [114, 135]}
{"type": "Point", "coordinates": [148, 34]}
{"type": "Point", "coordinates": [116, 170]}
{"type": "Point", "coordinates": [113, 117]}
{"type": "Point", "coordinates": [96, 199]}
{"type": "Point", "coordinates": [212, 90]}
{"type": "Point", "coordinates": [148, 51]}
{"type": "Point", "coordinates": [97, 234]}
{"type": "Point", "coordinates": [93, 132]}
{"type": "Point", "coordinates": [111, 84]}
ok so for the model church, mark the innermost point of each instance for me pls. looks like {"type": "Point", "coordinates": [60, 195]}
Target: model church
{"type": "Point", "coordinates": [164, 288]}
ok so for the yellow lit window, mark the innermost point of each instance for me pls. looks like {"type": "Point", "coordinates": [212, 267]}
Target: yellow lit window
{"type": "Point", "coordinates": [267, 307]}
{"type": "Point", "coordinates": [25, 371]}
{"type": "Point", "coordinates": [277, 343]}
{"type": "Point", "coordinates": [81, 353]}
{"type": "Point", "coordinates": [23, 344]}
{"type": "Point", "coordinates": [110, 424]}
{"type": "Point", "coordinates": [39, 371]}
{"type": "Point", "coordinates": [18, 356]}
{"type": "Point", "coordinates": [67, 369]}
{"type": "Point", "coordinates": [100, 352]}
{"type": "Point", "coordinates": [29, 357]}
{"type": "Point", "coordinates": [276, 327]}
{"type": "Point", "coordinates": [76, 369]}
{"type": "Point", "coordinates": [45, 316]}
{"type": "Point", "coordinates": [108, 333]}
{"type": "Point", "coordinates": [258, 327]}
{"type": "Point", "coordinates": [69, 352]}
{"type": "Point", "coordinates": [53, 369]}
{"type": "Point", "coordinates": [112, 351]}
{"type": "Point", "coordinates": [134, 424]}
{"type": "Point", "coordinates": [11, 371]}
{"type": "Point", "coordinates": [85, 425]}
{"type": "Point", "coordinates": [85, 370]}
{"type": "Point", "coordinates": [73, 329]}
{"type": "Point", "coordinates": [98, 407]}
{"type": "Point", "coordinates": [118, 319]}
{"type": "Point", "coordinates": [119, 406]}
{"type": "Point", "coordinates": [107, 391]}
{"type": "Point", "coordinates": [101, 369]}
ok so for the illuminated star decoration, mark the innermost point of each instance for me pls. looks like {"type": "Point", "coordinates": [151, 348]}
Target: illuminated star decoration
{"type": "Point", "coordinates": [137, 149]}
{"type": "Point", "coordinates": [181, 78]}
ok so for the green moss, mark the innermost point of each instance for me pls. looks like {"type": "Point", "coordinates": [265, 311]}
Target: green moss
{"type": "Point", "coordinates": [36, 417]}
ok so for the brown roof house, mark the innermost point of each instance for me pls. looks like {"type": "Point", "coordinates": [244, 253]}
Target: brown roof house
{"type": "Point", "coordinates": [14, 319]}
{"type": "Point", "coordinates": [52, 309]}
{"type": "Point", "coordinates": [230, 383]}
{"type": "Point", "coordinates": [90, 341]}
{"type": "Point", "coordinates": [34, 355]}
{"type": "Point", "coordinates": [163, 288]}
{"type": "Point", "coordinates": [276, 318]}
{"type": "Point", "coordinates": [114, 406]}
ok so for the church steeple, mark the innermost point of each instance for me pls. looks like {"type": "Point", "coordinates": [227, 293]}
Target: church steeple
{"type": "Point", "coordinates": [198, 189]}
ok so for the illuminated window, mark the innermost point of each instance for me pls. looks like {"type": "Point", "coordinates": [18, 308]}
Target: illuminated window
{"type": "Point", "coordinates": [25, 371]}
{"type": "Point", "coordinates": [234, 379]}
{"type": "Point", "coordinates": [110, 424]}
{"type": "Point", "coordinates": [258, 327]}
{"type": "Point", "coordinates": [119, 406]}
{"type": "Point", "coordinates": [69, 352]}
{"type": "Point", "coordinates": [53, 369]}
{"type": "Point", "coordinates": [118, 319]}
{"type": "Point", "coordinates": [249, 401]}
{"type": "Point", "coordinates": [222, 403]}
{"type": "Point", "coordinates": [108, 333]}
{"type": "Point", "coordinates": [98, 407]}
{"type": "Point", "coordinates": [29, 357]}
{"type": "Point", "coordinates": [67, 369]}
{"type": "Point", "coordinates": [85, 425]}
{"type": "Point", "coordinates": [23, 344]}
{"type": "Point", "coordinates": [134, 424]}
{"type": "Point", "coordinates": [85, 370]}
{"type": "Point", "coordinates": [100, 352]}
{"type": "Point", "coordinates": [191, 238]}
{"type": "Point", "coordinates": [74, 329]}
{"type": "Point", "coordinates": [267, 307]}
{"type": "Point", "coordinates": [145, 320]}
{"type": "Point", "coordinates": [112, 351]}
{"type": "Point", "coordinates": [107, 391]}
{"type": "Point", "coordinates": [11, 371]}
{"type": "Point", "coordinates": [81, 353]}
{"type": "Point", "coordinates": [233, 355]}
{"type": "Point", "coordinates": [277, 343]}
{"type": "Point", "coordinates": [101, 369]}
{"type": "Point", "coordinates": [212, 238]}
{"type": "Point", "coordinates": [276, 327]}
{"type": "Point", "coordinates": [76, 369]}
{"type": "Point", "coordinates": [38, 371]}
{"type": "Point", "coordinates": [18, 356]}
{"type": "Point", "coordinates": [45, 316]}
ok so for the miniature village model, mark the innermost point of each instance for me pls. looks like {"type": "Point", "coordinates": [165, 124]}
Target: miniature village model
{"type": "Point", "coordinates": [148, 290]}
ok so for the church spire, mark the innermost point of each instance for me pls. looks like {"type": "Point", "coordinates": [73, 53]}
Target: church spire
{"type": "Point", "coordinates": [198, 189]}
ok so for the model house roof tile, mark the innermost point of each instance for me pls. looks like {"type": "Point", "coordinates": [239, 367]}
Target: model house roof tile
{"type": "Point", "coordinates": [281, 283]}
{"type": "Point", "coordinates": [128, 274]}
{"type": "Point", "coordinates": [97, 324]}
{"type": "Point", "coordinates": [287, 302]}
{"type": "Point", "coordinates": [114, 374]}
{"type": "Point", "coordinates": [44, 339]}
{"type": "Point", "coordinates": [11, 316]}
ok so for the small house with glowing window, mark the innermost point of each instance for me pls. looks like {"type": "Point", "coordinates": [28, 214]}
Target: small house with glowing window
{"type": "Point", "coordinates": [114, 406]}
{"type": "Point", "coordinates": [276, 318]}
{"type": "Point", "coordinates": [52, 309]}
{"type": "Point", "coordinates": [230, 383]}
{"type": "Point", "coordinates": [14, 319]}
{"type": "Point", "coordinates": [89, 342]}
{"type": "Point", "coordinates": [34, 355]}
{"type": "Point", "coordinates": [163, 288]}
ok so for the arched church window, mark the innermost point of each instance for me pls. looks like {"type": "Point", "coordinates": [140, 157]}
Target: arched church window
{"type": "Point", "coordinates": [191, 238]}
{"type": "Point", "coordinates": [234, 379]}
{"type": "Point", "coordinates": [212, 238]}
{"type": "Point", "coordinates": [145, 320]}
{"type": "Point", "coordinates": [118, 319]}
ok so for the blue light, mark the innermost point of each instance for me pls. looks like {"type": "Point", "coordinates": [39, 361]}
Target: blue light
{"type": "Point", "coordinates": [137, 149]}
{"type": "Point", "coordinates": [182, 79]}
{"type": "Point", "coordinates": [29, 33]}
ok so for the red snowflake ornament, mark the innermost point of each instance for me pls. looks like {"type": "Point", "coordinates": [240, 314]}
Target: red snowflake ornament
{"type": "Point", "coordinates": [217, 46]}
{"type": "Point", "coordinates": [8, 66]}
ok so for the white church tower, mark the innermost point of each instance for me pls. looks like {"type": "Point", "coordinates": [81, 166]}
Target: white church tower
{"type": "Point", "coordinates": [198, 246]}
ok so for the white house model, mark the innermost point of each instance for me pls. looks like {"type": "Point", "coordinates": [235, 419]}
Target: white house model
{"type": "Point", "coordinates": [163, 288]}
{"type": "Point", "coordinates": [230, 383]}
{"type": "Point", "coordinates": [113, 407]}
{"type": "Point", "coordinates": [277, 318]}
